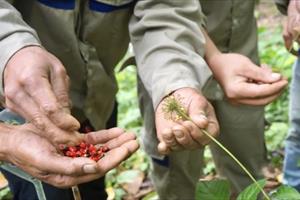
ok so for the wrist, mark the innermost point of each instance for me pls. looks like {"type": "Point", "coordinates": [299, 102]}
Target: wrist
{"type": "Point", "coordinates": [4, 141]}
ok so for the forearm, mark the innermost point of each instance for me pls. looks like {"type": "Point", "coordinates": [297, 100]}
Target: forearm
{"type": "Point", "coordinates": [210, 52]}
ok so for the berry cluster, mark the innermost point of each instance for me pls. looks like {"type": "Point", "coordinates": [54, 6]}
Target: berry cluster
{"type": "Point", "coordinates": [85, 150]}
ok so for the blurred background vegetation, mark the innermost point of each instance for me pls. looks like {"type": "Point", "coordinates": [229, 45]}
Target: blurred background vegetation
{"type": "Point", "coordinates": [130, 180]}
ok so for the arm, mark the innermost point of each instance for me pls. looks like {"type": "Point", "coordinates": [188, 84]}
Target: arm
{"type": "Point", "coordinates": [169, 46]}
{"type": "Point", "coordinates": [243, 81]}
{"type": "Point", "coordinates": [38, 89]}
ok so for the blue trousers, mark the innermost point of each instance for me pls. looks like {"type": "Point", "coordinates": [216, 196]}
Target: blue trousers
{"type": "Point", "coordinates": [291, 168]}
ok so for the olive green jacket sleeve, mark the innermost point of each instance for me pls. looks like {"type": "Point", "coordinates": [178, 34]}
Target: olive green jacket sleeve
{"type": "Point", "coordinates": [169, 46]}
{"type": "Point", "coordinates": [282, 5]}
{"type": "Point", "coordinates": [15, 34]}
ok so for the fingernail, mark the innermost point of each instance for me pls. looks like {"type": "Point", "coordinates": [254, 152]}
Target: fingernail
{"type": "Point", "coordinates": [276, 75]}
{"type": "Point", "coordinates": [90, 168]}
{"type": "Point", "coordinates": [178, 133]}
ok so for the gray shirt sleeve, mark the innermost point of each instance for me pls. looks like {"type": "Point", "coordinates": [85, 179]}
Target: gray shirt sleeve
{"type": "Point", "coordinates": [169, 46]}
{"type": "Point", "coordinates": [15, 34]}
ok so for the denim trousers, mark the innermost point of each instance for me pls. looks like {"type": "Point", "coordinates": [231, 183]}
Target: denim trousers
{"type": "Point", "coordinates": [291, 168]}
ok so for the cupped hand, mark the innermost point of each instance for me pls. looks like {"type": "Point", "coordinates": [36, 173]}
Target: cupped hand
{"type": "Point", "coordinates": [39, 158]}
{"type": "Point", "coordinates": [244, 82]}
{"type": "Point", "coordinates": [36, 87]}
{"type": "Point", "coordinates": [176, 133]}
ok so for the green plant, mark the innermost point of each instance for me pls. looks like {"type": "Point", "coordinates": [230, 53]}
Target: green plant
{"type": "Point", "coordinates": [219, 190]}
{"type": "Point", "coordinates": [174, 110]}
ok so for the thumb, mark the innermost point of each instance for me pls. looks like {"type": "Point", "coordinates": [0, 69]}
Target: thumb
{"type": "Point", "coordinates": [259, 74]}
{"type": "Point", "coordinates": [198, 112]}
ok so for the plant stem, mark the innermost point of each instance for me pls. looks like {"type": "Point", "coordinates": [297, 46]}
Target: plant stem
{"type": "Point", "coordinates": [183, 114]}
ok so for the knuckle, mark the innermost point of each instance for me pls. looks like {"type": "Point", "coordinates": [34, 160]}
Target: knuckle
{"type": "Point", "coordinates": [71, 169]}
{"type": "Point", "coordinates": [38, 121]}
{"type": "Point", "coordinates": [49, 109]}
{"type": "Point", "coordinates": [10, 92]}
{"type": "Point", "coordinates": [60, 71]}
{"type": "Point", "coordinates": [230, 93]}
{"type": "Point", "coordinates": [27, 80]}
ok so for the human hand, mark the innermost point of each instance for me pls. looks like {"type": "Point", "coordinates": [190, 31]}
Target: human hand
{"type": "Point", "coordinates": [176, 134]}
{"type": "Point", "coordinates": [36, 87]}
{"type": "Point", "coordinates": [39, 158]}
{"type": "Point", "coordinates": [291, 29]}
{"type": "Point", "coordinates": [245, 83]}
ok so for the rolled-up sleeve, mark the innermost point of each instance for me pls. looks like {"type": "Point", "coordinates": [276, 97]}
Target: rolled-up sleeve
{"type": "Point", "coordinates": [15, 34]}
{"type": "Point", "coordinates": [169, 46]}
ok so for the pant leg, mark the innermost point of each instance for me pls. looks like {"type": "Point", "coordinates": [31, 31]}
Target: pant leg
{"type": "Point", "coordinates": [24, 190]}
{"type": "Point", "coordinates": [176, 176]}
{"type": "Point", "coordinates": [242, 132]}
{"type": "Point", "coordinates": [291, 168]}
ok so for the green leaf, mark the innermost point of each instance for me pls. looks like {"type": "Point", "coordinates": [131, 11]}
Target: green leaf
{"type": "Point", "coordinates": [251, 192]}
{"type": "Point", "coordinates": [127, 176]}
{"type": "Point", "coordinates": [213, 190]}
{"type": "Point", "coordinates": [285, 193]}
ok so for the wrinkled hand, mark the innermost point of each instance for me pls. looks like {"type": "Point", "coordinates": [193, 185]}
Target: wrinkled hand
{"type": "Point", "coordinates": [291, 30]}
{"type": "Point", "coordinates": [39, 158]}
{"type": "Point", "coordinates": [177, 135]}
{"type": "Point", "coordinates": [245, 83]}
{"type": "Point", "coordinates": [36, 87]}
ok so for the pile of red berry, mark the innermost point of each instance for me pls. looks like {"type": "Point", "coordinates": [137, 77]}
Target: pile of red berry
{"type": "Point", "coordinates": [85, 150]}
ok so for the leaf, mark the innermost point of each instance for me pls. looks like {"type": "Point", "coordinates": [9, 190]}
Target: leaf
{"type": "Point", "coordinates": [251, 192]}
{"type": "Point", "coordinates": [127, 176]}
{"type": "Point", "coordinates": [3, 181]}
{"type": "Point", "coordinates": [213, 190]}
{"type": "Point", "coordinates": [285, 193]}
{"type": "Point", "coordinates": [134, 185]}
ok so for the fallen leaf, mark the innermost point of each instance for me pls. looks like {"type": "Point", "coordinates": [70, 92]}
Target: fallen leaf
{"type": "Point", "coordinates": [3, 181]}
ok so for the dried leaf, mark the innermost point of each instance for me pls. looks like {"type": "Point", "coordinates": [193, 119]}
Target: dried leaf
{"type": "Point", "coordinates": [3, 181]}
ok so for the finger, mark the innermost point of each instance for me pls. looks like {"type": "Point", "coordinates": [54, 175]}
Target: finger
{"type": "Point", "coordinates": [196, 133]}
{"type": "Point", "coordinates": [260, 74]}
{"type": "Point", "coordinates": [197, 109]}
{"type": "Point", "coordinates": [287, 37]}
{"type": "Point", "coordinates": [266, 67]}
{"type": "Point", "coordinates": [213, 125]}
{"type": "Point", "coordinates": [250, 90]}
{"type": "Point", "coordinates": [169, 139]}
{"type": "Point", "coordinates": [122, 139]}
{"type": "Point", "coordinates": [163, 148]}
{"type": "Point", "coordinates": [60, 84]}
{"type": "Point", "coordinates": [258, 102]}
{"type": "Point", "coordinates": [102, 136]}
{"type": "Point", "coordinates": [68, 166]}
{"type": "Point", "coordinates": [183, 137]}
{"type": "Point", "coordinates": [115, 156]}
{"type": "Point", "coordinates": [41, 92]}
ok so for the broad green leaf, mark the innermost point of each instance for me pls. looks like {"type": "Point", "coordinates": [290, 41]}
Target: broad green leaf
{"type": "Point", "coordinates": [285, 193]}
{"type": "Point", "coordinates": [213, 190]}
{"type": "Point", "coordinates": [251, 192]}
{"type": "Point", "coordinates": [127, 176]}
